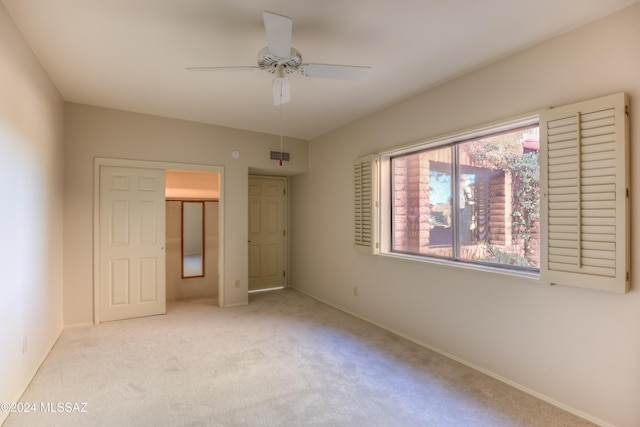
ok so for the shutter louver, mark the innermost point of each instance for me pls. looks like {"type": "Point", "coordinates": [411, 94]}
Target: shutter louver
{"type": "Point", "coordinates": [364, 205]}
{"type": "Point", "coordinates": [584, 181]}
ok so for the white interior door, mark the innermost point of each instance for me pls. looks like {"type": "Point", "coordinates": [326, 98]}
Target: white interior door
{"type": "Point", "coordinates": [267, 232]}
{"type": "Point", "coordinates": [132, 240]}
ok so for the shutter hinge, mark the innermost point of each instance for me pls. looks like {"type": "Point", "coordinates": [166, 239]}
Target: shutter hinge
{"type": "Point", "coordinates": [628, 193]}
{"type": "Point", "coordinates": [626, 110]}
{"type": "Point", "coordinates": [377, 245]}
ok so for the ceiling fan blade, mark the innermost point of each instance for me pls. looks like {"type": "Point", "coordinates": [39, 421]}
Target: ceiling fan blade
{"type": "Point", "coordinates": [279, 30]}
{"type": "Point", "coordinates": [281, 91]}
{"type": "Point", "coordinates": [237, 68]}
{"type": "Point", "coordinates": [339, 72]}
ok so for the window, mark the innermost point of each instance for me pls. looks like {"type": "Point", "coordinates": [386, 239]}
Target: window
{"type": "Point", "coordinates": [498, 197]}
{"type": "Point", "coordinates": [473, 199]}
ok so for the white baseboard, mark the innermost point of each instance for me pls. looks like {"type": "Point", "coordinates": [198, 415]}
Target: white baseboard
{"type": "Point", "coordinates": [4, 415]}
{"type": "Point", "coordinates": [78, 325]}
{"type": "Point", "coordinates": [237, 304]}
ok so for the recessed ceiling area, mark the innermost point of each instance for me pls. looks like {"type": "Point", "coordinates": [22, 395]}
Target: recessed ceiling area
{"type": "Point", "coordinates": [132, 55]}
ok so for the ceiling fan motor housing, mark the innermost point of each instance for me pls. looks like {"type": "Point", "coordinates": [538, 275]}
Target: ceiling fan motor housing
{"type": "Point", "coordinates": [273, 64]}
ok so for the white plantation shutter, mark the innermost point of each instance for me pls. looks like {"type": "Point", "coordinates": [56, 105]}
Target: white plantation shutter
{"type": "Point", "coordinates": [365, 204]}
{"type": "Point", "coordinates": [584, 178]}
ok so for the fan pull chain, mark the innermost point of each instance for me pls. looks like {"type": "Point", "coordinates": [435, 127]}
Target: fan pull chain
{"type": "Point", "coordinates": [281, 123]}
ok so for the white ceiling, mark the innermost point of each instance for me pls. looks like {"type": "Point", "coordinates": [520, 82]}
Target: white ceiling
{"type": "Point", "coordinates": [131, 54]}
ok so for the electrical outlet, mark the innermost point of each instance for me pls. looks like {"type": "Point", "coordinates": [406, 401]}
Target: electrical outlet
{"type": "Point", "coordinates": [355, 291]}
{"type": "Point", "coordinates": [237, 283]}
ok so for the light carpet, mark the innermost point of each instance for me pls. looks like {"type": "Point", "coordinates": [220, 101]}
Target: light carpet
{"type": "Point", "coordinates": [283, 360]}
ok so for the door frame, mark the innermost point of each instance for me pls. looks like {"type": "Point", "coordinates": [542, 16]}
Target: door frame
{"type": "Point", "coordinates": [147, 164]}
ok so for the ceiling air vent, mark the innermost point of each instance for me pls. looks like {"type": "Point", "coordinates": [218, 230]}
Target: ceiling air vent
{"type": "Point", "coordinates": [278, 155]}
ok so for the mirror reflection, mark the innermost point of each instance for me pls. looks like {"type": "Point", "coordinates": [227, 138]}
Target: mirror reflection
{"type": "Point", "coordinates": [192, 239]}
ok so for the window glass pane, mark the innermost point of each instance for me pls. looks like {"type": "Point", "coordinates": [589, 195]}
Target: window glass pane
{"type": "Point", "coordinates": [499, 199]}
{"type": "Point", "coordinates": [422, 203]}
{"type": "Point", "coordinates": [475, 201]}
{"type": "Point", "coordinates": [440, 221]}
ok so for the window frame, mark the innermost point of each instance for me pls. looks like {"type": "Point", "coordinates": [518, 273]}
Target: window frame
{"type": "Point", "coordinates": [448, 140]}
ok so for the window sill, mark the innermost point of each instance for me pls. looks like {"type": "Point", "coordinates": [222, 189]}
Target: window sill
{"type": "Point", "coordinates": [528, 275]}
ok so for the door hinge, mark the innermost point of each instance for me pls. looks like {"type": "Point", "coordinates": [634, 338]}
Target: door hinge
{"type": "Point", "coordinates": [284, 273]}
{"type": "Point", "coordinates": [284, 191]}
{"type": "Point", "coordinates": [284, 232]}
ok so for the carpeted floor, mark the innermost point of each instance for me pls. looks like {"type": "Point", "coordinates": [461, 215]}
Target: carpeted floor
{"type": "Point", "coordinates": [283, 360]}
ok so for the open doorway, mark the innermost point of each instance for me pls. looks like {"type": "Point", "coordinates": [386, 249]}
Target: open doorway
{"type": "Point", "coordinates": [192, 212]}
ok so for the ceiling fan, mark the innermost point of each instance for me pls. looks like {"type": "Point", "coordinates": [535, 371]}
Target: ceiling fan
{"type": "Point", "coordinates": [282, 60]}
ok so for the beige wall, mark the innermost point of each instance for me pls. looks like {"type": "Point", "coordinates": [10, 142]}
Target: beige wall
{"type": "Point", "coordinates": [31, 138]}
{"type": "Point", "coordinates": [207, 286]}
{"type": "Point", "coordinates": [98, 132]}
{"type": "Point", "coordinates": [577, 347]}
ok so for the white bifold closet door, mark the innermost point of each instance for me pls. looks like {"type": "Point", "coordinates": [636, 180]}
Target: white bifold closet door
{"type": "Point", "coordinates": [132, 239]}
